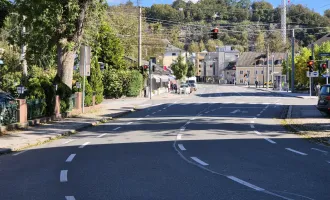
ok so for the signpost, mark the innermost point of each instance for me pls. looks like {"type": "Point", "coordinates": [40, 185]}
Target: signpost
{"type": "Point", "coordinates": [84, 68]}
{"type": "Point", "coordinates": [310, 75]}
{"type": "Point", "coordinates": [324, 54]}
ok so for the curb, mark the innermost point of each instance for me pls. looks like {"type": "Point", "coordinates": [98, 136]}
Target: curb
{"type": "Point", "coordinates": [64, 134]}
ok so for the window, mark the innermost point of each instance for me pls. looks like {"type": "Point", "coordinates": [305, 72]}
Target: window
{"type": "Point", "coordinates": [240, 72]}
{"type": "Point", "coordinates": [200, 66]}
{"type": "Point", "coordinates": [248, 71]}
{"type": "Point", "coordinates": [270, 71]}
{"type": "Point", "coordinates": [173, 54]}
{"type": "Point", "coordinates": [256, 71]}
{"type": "Point", "coordinates": [227, 73]}
{"type": "Point", "coordinates": [241, 80]}
{"type": "Point", "coordinates": [262, 72]}
{"type": "Point", "coordinates": [325, 90]}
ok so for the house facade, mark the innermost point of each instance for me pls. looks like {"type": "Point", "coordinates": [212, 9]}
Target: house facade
{"type": "Point", "coordinates": [252, 66]}
{"type": "Point", "coordinates": [172, 53]}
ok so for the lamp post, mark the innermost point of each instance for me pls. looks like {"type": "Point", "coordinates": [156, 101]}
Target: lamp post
{"type": "Point", "coordinates": [20, 90]}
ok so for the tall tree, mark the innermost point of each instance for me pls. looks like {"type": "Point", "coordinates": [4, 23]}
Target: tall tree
{"type": "Point", "coordinates": [211, 45]}
{"type": "Point", "coordinates": [179, 68]}
{"type": "Point", "coordinates": [191, 70]}
{"type": "Point", "coordinates": [193, 47]}
{"type": "Point", "coordinates": [260, 42]}
{"type": "Point", "coordinates": [327, 13]}
{"type": "Point", "coordinates": [5, 6]}
{"type": "Point", "coordinates": [58, 24]}
{"type": "Point", "coordinates": [201, 46]}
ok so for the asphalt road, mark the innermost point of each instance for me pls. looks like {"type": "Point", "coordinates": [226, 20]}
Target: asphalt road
{"type": "Point", "coordinates": [222, 142]}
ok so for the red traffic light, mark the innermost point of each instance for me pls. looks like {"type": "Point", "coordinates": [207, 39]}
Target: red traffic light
{"type": "Point", "coordinates": [145, 66]}
{"type": "Point", "coordinates": [216, 30]}
{"type": "Point", "coordinates": [324, 66]}
{"type": "Point", "coordinates": [310, 63]}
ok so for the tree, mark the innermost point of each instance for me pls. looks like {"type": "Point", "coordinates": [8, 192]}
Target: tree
{"type": "Point", "coordinates": [191, 70]}
{"type": "Point", "coordinates": [211, 46]}
{"type": "Point", "coordinates": [96, 80]}
{"type": "Point", "coordinates": [260, 42]}
{"type": "Point", "coordinates": [5, 7]}
{"type": "Point", "coordinates": [201, 46]}
{"type": "Point", "coordinates": [58, 24]}
{"type": "Point", "coordinates": [193, 47]}
{"type": "Point", "coordinates": [327, 13]}
{"type": "Point", "coordinates": [179, 68]}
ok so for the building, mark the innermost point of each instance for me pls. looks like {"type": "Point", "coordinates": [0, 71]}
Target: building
{"type": "Point", "coordinates": [322, 40]}
{"type": "Point", "coordinates": [211, 65]}
{"type": "Point", "coordinates": [252, 66]}
{"type": "Point", "coordinates": [230, 73]}
{"type": "Point", "coordinates": [172, 53]}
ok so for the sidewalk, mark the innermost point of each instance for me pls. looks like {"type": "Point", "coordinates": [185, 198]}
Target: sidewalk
{"type": "Point", "coordinates": [285, 93]}
{"type": "Point", "coordinates": [307, 121]}
{"type": "Point", "coordinates": [35, 135]}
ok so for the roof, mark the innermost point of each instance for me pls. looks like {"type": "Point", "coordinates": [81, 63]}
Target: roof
{"type": "Point", "coordinates": [170, 47]}
{"type": "Point", "coordinates": [322, 40]}
{"type": "Point", "coordinates": [248, 59]}
{"type": "Point", "coordinates": [231, 66]}
{"type": "Point", "coordinates": [144, 62]}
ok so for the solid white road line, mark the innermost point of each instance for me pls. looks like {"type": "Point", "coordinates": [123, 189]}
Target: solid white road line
{"type": "Point", "coordinates": [181, 147]}
{"type": "Point", "coordinates": [82, 146]}
{"type": "Point", "coordinates": [147, 115]}
{"type": "Point", "coordinates": [70, 158]}
{"type": "Point", "coordinates": [101, 135]}
{"type": "Point", "coordinates": [257, 132]}
{"type": "Point", "coordinates": [68, 141]}
{"type": "Point", "coordinates": [269, 140]}
{"type": "Point", "coordinates": [139, 119]}
{"type": "Point", "coordinates": [188, 122]}
{"type": "Point", "coordinates": [16, 154]}
{"type": "Point", "coordinates": [298, 152]}
{"type": "Point", "coordinates": [245, 183]}
{"type": "Point", "coordinates": [182, 128]}
{"type": "Point", "coordinates": [252, 122]}
{"type": "Point", "coordinates": [252, 126]}
{"type": "Point", "coordinates": [64, 176]}
{"type": "Point", "coordinates": [319, 150]}
{"type": "Point", "coordinates": [69, 198]}
{"type": "Point", "coordinates": [179, 136]}
{"type": "Point", "coordinates": [193, 118]}
{"type": "Point", "coordinates": [199, 161]}
{"type": "Point", "coordinates": [254, 118]}
{"type": "Point", "coordinates": [116, 128]}
{"type": "Point", "coordinates": [129, 123]}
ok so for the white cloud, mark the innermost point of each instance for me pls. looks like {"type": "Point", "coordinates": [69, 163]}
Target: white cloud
{"type": "Point", "coordinates": [194, 1]}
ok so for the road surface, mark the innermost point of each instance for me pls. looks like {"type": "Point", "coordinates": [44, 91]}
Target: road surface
{"type": "Point", "coordinates": [222, 142]}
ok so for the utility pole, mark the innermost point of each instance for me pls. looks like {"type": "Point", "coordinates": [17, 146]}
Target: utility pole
{"type": "Point", "coordinates": [140, 36]}
{"type": "Point", "coordinates": [283, 22]}
{"type": "Point", "coordinates": [267, 75]}
{"type": "Point", "coordinates": [292, 64]}
{"type": "Point", "coordinates": [23, 51]}
{"type": "Point", "coordinates": [273, 70]}
{"type": "Point", "coordinates": [310, 77]}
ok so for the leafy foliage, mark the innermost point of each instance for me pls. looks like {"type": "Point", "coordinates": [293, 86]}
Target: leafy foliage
{"type": "Point", "coordinates": [96, 80]}
{"type": "Point", "coordinates": [5, 7]}
{"type": "Point", "coordinates": [135, 85]}
{"type": "Point", "coordinates": [191, 70]}
{"type": "Point", "coordinates": [179, 68]}
{"type": "Point", "coordinates": [112, 82]}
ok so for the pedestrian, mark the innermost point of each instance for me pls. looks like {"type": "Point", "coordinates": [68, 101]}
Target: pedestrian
{"type": "Point", "coordinates": [318, 88]}
{"type": "Point", "coordinates": [256, 82]}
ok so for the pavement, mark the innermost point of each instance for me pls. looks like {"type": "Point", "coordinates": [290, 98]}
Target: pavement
{"type": "Point", "coordinates": [35, 135]}
{"type": "Point", "coordinates": [222, 142]}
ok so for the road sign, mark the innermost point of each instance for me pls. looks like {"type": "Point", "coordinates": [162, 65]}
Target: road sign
{"type": "Point", "coordinates": [324, 54]}
{"type": "Point", "coordinates": [312, 74]}
{"type": "Point", "coordinates": [85, 61]}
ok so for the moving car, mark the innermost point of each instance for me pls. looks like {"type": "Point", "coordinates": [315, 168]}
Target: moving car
{"type": "Point", "coordinates": [193, 87]}
{"type": "Point", "coordinates": [323, 103]}
{"type": "Point", "coordinates": [184, 89]}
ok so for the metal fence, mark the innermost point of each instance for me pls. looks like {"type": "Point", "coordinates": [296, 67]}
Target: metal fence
{"type": "Point", "coordinates": [8, 112]}
{"type": "Point", "coordinates": [72, 102]}
{"type": "Point", "coordinates": [36, 108]}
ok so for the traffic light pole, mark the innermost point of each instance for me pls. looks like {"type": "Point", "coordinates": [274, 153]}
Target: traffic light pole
{"type": "Point", "coordinates": [310, 77]}
{"type": "Point", "coordinates": [292, 59]}
{"type": "Point", "coordinates": [150, 78]}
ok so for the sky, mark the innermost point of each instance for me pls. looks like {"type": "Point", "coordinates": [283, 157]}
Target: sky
{"type": "Point", "coordinates": [316, 5]}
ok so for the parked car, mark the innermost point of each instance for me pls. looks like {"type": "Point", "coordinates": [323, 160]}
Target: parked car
{"type": "Point", "coordinates": [323, 103]}
{"type": "Point", "coordinates": [184, 88]}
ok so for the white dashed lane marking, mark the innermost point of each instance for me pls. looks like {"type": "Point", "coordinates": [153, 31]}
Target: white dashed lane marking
{"type": "Point", "coordinates": [85, 144]}
{"type": "Point", "coordinates": [252, 126]}
{"type": "Point", "coordinates": [245, 183]}
{"type": "Point", "coordinates": [70, 158]}
{"type": "Point", "coordinates": [179, 136]}
{"type": "Point", "coordinates": [129, 123]}
{"type": "Point", "coordinates": [16, 154]}
{"type": "Point", "coordinates": [257, 132]}
{"type": "Point", "coordinates": [70, 198]}
{"type": "Point", "coordinates": [181, 147]}
{"type": "Point", "coordinates": [64, 176]}
{"type": "Point", "coordinates": [116, 128]}
{"type": "Point", "coordinates": [101, 135]}
{"type": "Point", "coordinates": [297, 152]}
{"type": "Point", "coordinates": [199, 161]}
{"type": "Point", "coordinates": [269, 140]}
{"type": "Point", "coordinates": [66, 142]}
{"type": "Point", "coordinates": [319, 150]}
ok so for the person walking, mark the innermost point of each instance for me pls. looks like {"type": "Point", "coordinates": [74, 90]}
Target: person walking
{"type": "Point", "coordinates": [256, 82]}
{"type": "Point", "coordinates": [318, 88]}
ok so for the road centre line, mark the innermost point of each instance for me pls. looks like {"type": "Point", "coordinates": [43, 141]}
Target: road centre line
{"type": "Point", "coordinates": [252, 126]}
{"type": "Point", "coordinates": [237, 180]}
{"type": "Point", "coordinates": [85, 144]}
{"type": "Point", "coordinates": [68, 141]}
{"type": "Point", "coordinates": [64, 176]}
{"type": "Point", "coordinates": [69, 198]}
{"type": "Point", "coordinates": [179, 136]}
{"type": "Point", "coordinates": [199, 161]}
{"type": "Point", "coordinates": [319, 150]}
{"type": "Point", "coordinates": [70, 158]}
{"type": "Point", "coordinates": [298, 152]}
{"type": "Point", "coordinates": [257, 132]}
{"type": "Point", "coordinates": [181, 147]}
{"type": "Point", "coordinates": [116, 128]}
{"type": "Point", "coordinates": [129, 123]}
{"type": "Point", "coordinates": [101, 135]}
{"type": "Point", "coordinates": [269, 140]}
{"type": "Point", "coordinates": [20, 152]}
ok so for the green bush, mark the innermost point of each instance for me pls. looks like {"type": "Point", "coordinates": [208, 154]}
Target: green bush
{"type": "Point", "coordinates": [135, 84]}
{"type": "Point", "coordinates": [65, 94]}
{"type": "Point", "coordinates": [96, 81]}
{"type": "Point", "coordinates": [88, 94]}
{"type": "Point", "coordinates": [112, 82]}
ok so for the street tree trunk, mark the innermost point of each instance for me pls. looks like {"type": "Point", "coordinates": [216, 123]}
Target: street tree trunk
{"type": "Point", "coordinates": [65, 62]}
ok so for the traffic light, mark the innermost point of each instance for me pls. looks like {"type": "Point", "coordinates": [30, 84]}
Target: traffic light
{"type": "Point", "coordinates": [324, 66]}
{"type": "Point", "coordinates": [215, 33]}
{"type": "Point", "coordinates": [310, 65]}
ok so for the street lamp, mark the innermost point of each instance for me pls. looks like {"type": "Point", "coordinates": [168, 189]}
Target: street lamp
{"type": "Point", "coordinates": [20, 90]}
